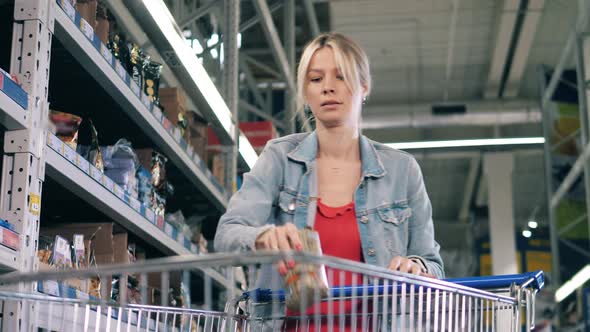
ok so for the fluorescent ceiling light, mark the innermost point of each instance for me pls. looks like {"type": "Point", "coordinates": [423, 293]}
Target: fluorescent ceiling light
{"type": "Point", "coordinates": [162, 17]}
{"type": "Point", "coordinates": [574, 283]}
{"type": "Point", "coordinates": [214, 39]}
{"type": "Point", "coordinates": [526, 233]}
{"type": "Point", "coordinates": [467, 143]}
{"type": "Point", "coordinates": [533, 224]}
{"type": "Point", "coordinates": [186, 56]}
{"type": "Point", "coordinates": [239, 39]}
{"type": "Point", "coordinates": [247, 151]}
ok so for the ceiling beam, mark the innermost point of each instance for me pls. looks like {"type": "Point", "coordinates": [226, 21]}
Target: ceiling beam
{"type": "Point", "coordinates": [254, 20]}
{"type": "Point", "coordinates": [198, 13]}
{"type": "Point", "coordinates": [272, 36]}
{"type": "Point", "coordinates": [523, 48]}
{"type": "Point", "coordinates": [506, 24]}
{"type": "Point", "coordinates": [312, 18]}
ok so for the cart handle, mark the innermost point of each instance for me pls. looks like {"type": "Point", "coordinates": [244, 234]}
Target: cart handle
{"type": "Point", "coordinates": [534, 280]}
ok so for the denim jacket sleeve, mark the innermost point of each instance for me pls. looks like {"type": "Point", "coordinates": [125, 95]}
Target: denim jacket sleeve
{"type": "Point", "coordinates": [421, 243]}
{"type": "Point", "coordinates": [249, 209]}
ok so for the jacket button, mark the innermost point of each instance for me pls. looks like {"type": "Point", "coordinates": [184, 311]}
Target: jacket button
{"type": "Point", "coordinates": [371, 252]}
{"type": "Point", "coordinates": [364, 219]}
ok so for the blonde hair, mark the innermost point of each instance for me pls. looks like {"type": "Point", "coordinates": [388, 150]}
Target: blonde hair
{"type": "Point", "coordinates": [351, 59]}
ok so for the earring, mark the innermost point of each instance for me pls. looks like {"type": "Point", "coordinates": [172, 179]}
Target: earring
{"type": "Point", "coordinates": [364, 100]}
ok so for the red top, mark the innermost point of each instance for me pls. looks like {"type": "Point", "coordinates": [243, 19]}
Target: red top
{"type": "Point", "coordinates": [339, 237]}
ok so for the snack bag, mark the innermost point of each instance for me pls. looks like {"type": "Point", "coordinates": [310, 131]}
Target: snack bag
{"type": "Point", "coordinates": [304, 280]}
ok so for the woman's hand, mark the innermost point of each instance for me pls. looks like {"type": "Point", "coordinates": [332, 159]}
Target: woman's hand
{"type": "Point", "coordinates": [280, 238]}
{"type": "Point", "coordinates": [406, 265]}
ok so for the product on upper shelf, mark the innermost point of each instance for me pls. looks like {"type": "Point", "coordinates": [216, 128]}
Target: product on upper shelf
{"type": "Point", "coordinates": [144, 186]}
{"type": "Point", "coordinates": [87, 9]}
{"type": "Point", "coordinates": [66, 127]}
{"type": "Point", "coordinates": [151, 87]}
{"type": "Point", "coordinates": [102, 22]}
{"type": "Point", "coordinates": [62, 254]}
{"type": "Point", "coordinates": [88, 146]}
{"type": "Point", "coordinates": [173, 102]}
{"type": "Point", "coordinates": [136, 63]}
{"type": "Point", "coordinates": [120, 163]}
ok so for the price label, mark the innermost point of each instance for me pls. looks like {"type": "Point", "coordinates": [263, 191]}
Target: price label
{"type": "Point", "coordinates": [135, 204]}
{"type": "Point", "coordinates": [83, 164]}
{"type": "Point", "coordinates": [146, 101]}
{"type": "Point", "coordinates": [70, 154]}
{"type": "Point", "coordinates": [119, 192]}
{"type": "Point", "coordinates": [96, 174]}
{"type": "Point", "coordinates": [87, 29]}
{"type": "Point", "coordinates": [150, 215]}
{"type": "Point", "coordinates": [190, 151]}
{"type": "Point", "coordinates": [68, 8]}
{"type": "Point", "coordinates": [51, 287]}
{"type": "Point", "coordinates": [166, 123]}
{"type": "Point", "coordinates": [120, 70]}
{"type": "Point", "coordinates": [82, 296]}
{"type": "Point", "coordinates": [2, 235]}
{"type": "Point", "coordinates": [177, 134]}
{"type": "Point", "coordinates": [168, 229]}
{"type": "Point", "coordinates": [106, 54]}
{"type": "Point", "coordinates": [108, 183]}
{"type": "Point", "coordinates": [134, 87]}
{"type": "Point", "coordinates": [35, 204]}
{"type": "Point", "coordinates": [157, 113]}
{"type": "Point", "coordinates": [55, 143]}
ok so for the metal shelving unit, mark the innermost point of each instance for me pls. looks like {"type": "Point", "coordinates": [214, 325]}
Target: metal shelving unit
{"type": "Point", "coordinates": [108, 72]}
{"type": "Point", "coordinates": [30, 153]}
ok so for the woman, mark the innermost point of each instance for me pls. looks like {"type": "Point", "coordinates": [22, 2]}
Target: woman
{"type": "Point", "coordinates": [335, 176]}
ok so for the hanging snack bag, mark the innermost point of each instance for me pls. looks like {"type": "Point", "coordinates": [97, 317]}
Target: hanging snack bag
{"type": "Point", "coordinates": [151, 86]}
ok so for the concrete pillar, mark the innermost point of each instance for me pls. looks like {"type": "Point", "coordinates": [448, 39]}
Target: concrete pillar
{"type": "Point", "coordinates": [498, 171]}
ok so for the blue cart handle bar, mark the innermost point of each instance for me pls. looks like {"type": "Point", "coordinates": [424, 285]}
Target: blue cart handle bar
{"type": "Point", "coordinates": [534, 280]}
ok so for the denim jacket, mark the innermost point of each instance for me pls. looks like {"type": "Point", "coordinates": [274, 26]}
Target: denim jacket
{"type": "Point", "coordinates": [392, 207]}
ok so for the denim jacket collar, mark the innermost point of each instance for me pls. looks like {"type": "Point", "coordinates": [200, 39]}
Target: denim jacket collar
{"type": "Point", "coordinates": [306, 152]}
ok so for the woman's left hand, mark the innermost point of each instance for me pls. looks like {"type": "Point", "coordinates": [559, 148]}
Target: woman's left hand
{"type": "Point", "coordinates": [406, 265]}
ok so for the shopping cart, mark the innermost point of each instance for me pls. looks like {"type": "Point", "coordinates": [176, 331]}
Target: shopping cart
{"type": "Point", "coordinates": [375, 299]}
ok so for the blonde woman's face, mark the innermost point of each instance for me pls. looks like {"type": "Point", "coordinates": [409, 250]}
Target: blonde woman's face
{"type": "Point", "coordinates": [331, 101]}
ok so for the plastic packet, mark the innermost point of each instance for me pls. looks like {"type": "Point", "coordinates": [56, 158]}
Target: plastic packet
{"type": "Point", "coordinates": [67, 126]}
{"type": "Point", "coordinates": [151, 87]}
{"type": "Point", "coordinates": [305, 280]}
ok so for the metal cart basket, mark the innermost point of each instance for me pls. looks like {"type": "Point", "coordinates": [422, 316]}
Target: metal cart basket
{"type": "Point", "coordinates": [359, 297]}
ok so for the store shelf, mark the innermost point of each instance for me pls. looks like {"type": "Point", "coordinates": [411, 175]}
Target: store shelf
{"type": "Point", "coordinates": [13, 104]}
{"type": "Point", "coordinates": [8, 259]}
{"type": "Point", "coordinates": [112, 205]}
{"type": "Point", "coordinates": [108, 72]}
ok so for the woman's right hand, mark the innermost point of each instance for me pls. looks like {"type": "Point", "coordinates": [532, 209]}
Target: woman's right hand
{"type": "Point", "coordinates": [280, 238]}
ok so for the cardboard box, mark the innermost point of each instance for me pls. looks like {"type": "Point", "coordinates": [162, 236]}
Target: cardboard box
{"type": "Point", "coordinates": [258, 133]}
{"type": "Point", "coordinates": [144, 156]}
{"type": "Point", "coordinates": [79, 284]}
{"type": "Point", "coordinates": [101, 235]}
{"type": "Point", "coordinates": [197, 135]}
{"type": "Point", "coordinates": [218, 167]}
{"type": "Point", "coordinates": [174, 103]}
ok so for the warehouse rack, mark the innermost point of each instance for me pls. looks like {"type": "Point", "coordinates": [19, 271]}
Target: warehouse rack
{"type": "Point", "coordinates": [577, 47]}
{"type": "Point", "coordinates": [31, 152]}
